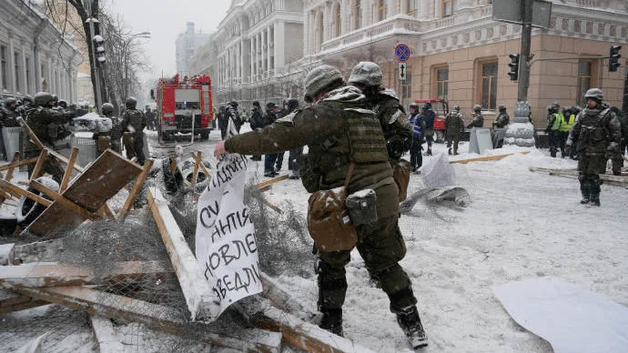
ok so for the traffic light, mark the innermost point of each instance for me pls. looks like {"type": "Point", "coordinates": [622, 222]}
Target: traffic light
{"type": "Point", "coordinates": [613, 61]}
{"type": "Point", "coordinates": [514, 67]}
{"type": "Point", "coordinates": [99, 47]}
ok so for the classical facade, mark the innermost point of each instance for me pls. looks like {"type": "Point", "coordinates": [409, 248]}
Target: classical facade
{"type": "Point", "coordinates": [34, 56]}
{"type": "Point", "coordinates": [254, 52]}
{"type": "Point", "coordinates": [459, 53]}
{"type": "Point", "coordinates": [186, 44]}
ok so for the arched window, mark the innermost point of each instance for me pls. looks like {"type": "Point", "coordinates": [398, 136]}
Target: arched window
{"type": "Point", "coordinates": [357, 14]}
{"type": "Point", "coordinates": [337, 20]}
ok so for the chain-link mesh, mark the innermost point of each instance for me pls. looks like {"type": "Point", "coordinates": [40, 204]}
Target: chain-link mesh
{"type": "Point", "coordinates": [283, 244]}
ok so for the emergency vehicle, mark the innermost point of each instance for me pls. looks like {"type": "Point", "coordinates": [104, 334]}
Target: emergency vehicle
{"type": "Point", "coordinates": [184, 107]}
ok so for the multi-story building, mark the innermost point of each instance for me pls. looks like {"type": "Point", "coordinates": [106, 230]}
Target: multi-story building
{"type": "Point", "coordinates": [34, 55]}
{"type": "Point", "coordinates": [459, 53]}
{"type": "Point", "coordinates": [254, 52]}
{"type": "Point", "coordinates": [186, 44]}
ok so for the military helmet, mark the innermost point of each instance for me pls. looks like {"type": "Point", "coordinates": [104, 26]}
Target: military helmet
{"type": "Point", "coordinates": [54, 97]}
{"type": "Point", "coordinates": [233, 104]}
{"type": "Point", "coordinates": [293, 104]}
{"type": "Point", "coordinates": [366, 73]}
{"type": "Point", "coordinates": [131, 103]}
{"type": "Point", "coordinates": [456, 108]}
{"type": "Point", "coordinates": [413, 105]}
{"type": "Point", "coordinates": [107, 109]}
{"type": "Point", "coordinates": [502, 108]}
{"type": "Point", "coordinates": [477, 108]}
{"type": "Point", "coordinates": [43, 99]}
{"type": "Point", "coordinates": [63, 104]}
{"type": "Point", "coordinates": [27, 98]}
{"type": "Point", "coordinates": [9, 101]}
{"type": "Point", "coordinates": [594, 93]}
{"type": "Point", "coordinates": [321, 78]}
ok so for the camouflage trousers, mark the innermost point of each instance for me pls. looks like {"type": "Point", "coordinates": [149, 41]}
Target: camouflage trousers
{"type": "Point", "coordinates": [382, 247]}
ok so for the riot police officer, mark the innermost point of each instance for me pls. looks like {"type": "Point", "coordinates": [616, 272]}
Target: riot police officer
{"type": "Point", "coordinates": [133, 123]}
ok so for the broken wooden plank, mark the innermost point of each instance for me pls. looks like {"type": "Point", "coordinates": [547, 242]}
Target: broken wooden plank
{"type": "Point", "coordinates": [11, 170]}
{"type": "Point", "coordinates": [137, 186]}
{"type": "Point", "coordinates": [36, 275]}
{"type": "Point", "coordinates": [614, 180]}
{"type": "Point", "coordinates": [199, 159]}
{"type": "Point", "coordinates": [195, 170]}
{"type": "Point", "coordinates": [271, 181]}
{"type": "Point", "coordinates": [19, 164]}
{"type": "Point", "coordinates": [7, 254]}
{"type": "Point", "coordinates": [272, 207]}
{"type": "Point", "coordinates": [106, 337]}
{"type": "Point", "coordinates": [154, 316]}
{"type": "Point", "coordinates": [300, 333]}
{"type": "Point", "coordinates": [40, 164]}
{"type": "Point", "coordinates": [280, 297]}
{"type": "Point", "coordinates": [34, 346]}
{"type": "Point", "coordinates": [64, 202]}
{"type": "Point", "coordinates": [11, 301]}
{"type": "Point", "coordinates": [91, 190]}
{"type": "Point", "coordinates": [486, 159]}
{"type": "Point", "coordinates": [68, 171]}
{"type": "Point", "coordinates": [38, 251]}
{"type": "Point", "coordinates": [31, 135]}
{"type": "Point", "coordinates": [201, 301]}
{"type": "Point", "coordinates": [19, 192]}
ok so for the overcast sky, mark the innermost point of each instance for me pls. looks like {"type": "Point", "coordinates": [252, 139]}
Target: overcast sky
{"type": "Point", "coordinates": [165, 19]}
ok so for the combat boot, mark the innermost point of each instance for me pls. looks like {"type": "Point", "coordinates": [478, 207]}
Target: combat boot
{"type": "Point", "coordinates": [595, 199]}
{"type": "Point", "coordinates": [332, 321]}
{"type": "Point", "coordinates": [410, 323]}
{"type": "Point", "coordinates": [449, 151]}
{"type": "Point", "coordinates": [586, 196]}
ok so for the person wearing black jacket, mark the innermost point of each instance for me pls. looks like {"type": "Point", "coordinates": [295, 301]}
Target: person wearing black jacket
{"type": "Point", "coordinates": [256, 122]}
{"type": "Point", "coordinates": [270, 159]}
{"type": "Point", "coordinates": [223, 121]}
{"type": "Point", "coordinates": [428, 116]}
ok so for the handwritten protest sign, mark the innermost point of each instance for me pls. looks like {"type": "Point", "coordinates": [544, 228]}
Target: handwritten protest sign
{"type": "Point", "coordinates": [225, 236]}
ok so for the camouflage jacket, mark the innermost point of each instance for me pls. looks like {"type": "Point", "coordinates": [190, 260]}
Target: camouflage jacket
{"type": "Point", "coordinates": [134, 118]}
{"type": "Point", "coordinates": [327, 130]}
{"type": "Point", "coordinates": [502, 120]}
{"type": "Point", "coordinates": [478, 121]}
{"type": "Point", "coordinates": [594, 130]}
{"type": "Point", "coordinates": [44, 123]}
{"type": "Point", "coordinates": [394, 122]}
{"type": "Point", "coordinates": [454, 125]}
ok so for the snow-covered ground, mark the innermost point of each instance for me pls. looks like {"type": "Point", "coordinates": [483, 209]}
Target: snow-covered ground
{"type": "Point", "coordinates": [519, 225]}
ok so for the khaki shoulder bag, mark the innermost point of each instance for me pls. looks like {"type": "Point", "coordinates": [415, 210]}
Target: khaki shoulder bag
{"type": "Point", "coordinates": [328, 219]}
{"type": "Point", "coordinates": [401, 174]}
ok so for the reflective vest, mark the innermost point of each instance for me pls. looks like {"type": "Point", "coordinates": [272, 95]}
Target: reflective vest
{"type": "Point", "coordinates": [559, 120]}
{"type": "Point", "coordinates": [568, 124]}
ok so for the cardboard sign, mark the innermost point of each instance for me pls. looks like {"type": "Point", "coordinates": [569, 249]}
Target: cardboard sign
{"type": "Point", "coordinates": [225, 237]}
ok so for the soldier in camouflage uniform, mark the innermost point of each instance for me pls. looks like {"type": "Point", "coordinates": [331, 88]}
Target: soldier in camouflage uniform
{"type": "Point", "coordinates": [595, 135]}
{"type": "Point", "coordinates": [454, 128]}
{"type": "Point", "coordinates": [44, 121]}
{"type": "Point", "coordinates": [330, 128]}
{"type": "Point", "coordinates": [617, 157]}
{"type": "Point", "coordinates": [116, 127]}
{"type": "Point", "coordinates": [134, 122]}
{"type": "Point", "coordinates": [367, 76]}
{"type": "Point", "coordinates": [478, 119]}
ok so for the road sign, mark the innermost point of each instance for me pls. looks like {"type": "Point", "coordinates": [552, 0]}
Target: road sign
{"type": "Point", "coordinates": [402, 52]}
{"type": "Point", "coordinates": [510, 11]}
{"type": "Point", "coordinates": [403, 71]}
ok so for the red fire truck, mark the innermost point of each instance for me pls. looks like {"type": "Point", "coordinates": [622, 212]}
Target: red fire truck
{"type": "Point", "coordinates": [184, 107]}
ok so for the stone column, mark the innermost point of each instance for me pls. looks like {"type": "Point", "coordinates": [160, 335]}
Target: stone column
{"type": "Point", "coordinates": [252, 58]}
{"type": "Point", "coordinates": [49, 75]}
{"type": "Point", "coordinates": [264, 49]}
{"type": "Point", "coordinates": [280, 42]}
{"type": "Point", "coordinates": [269, 34]}
{"type": "Point", "coordinates": [26, 89]}
{"type": "Point", "coordinates": [11, 65]}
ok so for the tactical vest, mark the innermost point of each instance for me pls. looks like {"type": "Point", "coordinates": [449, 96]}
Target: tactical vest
{"type": "Point", "coordinates": [136, 119]}
{"type": "Point", "coordinates": [568, 124]}
{"type": "Point", "coordinates": [593, 135]}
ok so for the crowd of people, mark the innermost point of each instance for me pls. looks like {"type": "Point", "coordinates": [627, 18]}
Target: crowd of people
{"type": "Point", "coordinates": [52, 120]}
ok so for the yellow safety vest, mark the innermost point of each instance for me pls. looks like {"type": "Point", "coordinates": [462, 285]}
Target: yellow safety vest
{"type": "Point", "coordinates": [568, 124]}
{"type": "Point", "coordinates": [558, 121]}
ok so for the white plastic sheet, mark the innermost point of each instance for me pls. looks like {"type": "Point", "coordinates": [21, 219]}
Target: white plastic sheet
{"type": "Point", "coordinates": [572, 319]}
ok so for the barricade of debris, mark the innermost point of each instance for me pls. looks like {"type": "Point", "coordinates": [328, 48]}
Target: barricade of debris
{"type": "Point", "coordinates": [121, 279]}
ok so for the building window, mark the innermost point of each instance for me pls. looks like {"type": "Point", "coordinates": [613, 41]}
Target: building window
{"type": "Point", "coordinates": [411, 7]}
{"type": "Point", "coordinates": [338, 20]}
{"type": "Point", "coordinates": [358, 14]}
{"type": "Point", "coordinates": [489, 85]}
{"type": "Point", "coordinates": [382, 10]}
{"type": "Point", "coordinates": [27, 84]}
{"type": "Point", "coordinates": [16, 62]}
{"type": "Point", "coordinates": [406, 89]}
{"type": "Point", "coordinates": [3, 65]}
{"type": "Point", "coordinates": [584, 80]}
{"type": "Point", "coordinates": [448, 7]}
{"type": "Point", "coordinates": [442, 83]}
